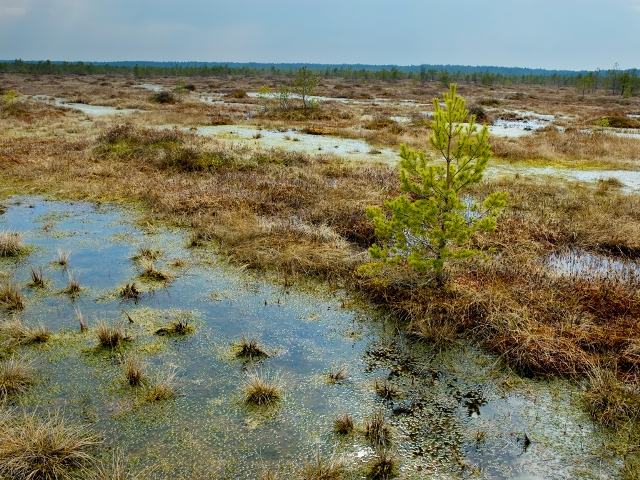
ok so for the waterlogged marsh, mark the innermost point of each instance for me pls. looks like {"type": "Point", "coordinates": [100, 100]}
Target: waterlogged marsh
{"type": "Point", "coordinates": [455, 413]}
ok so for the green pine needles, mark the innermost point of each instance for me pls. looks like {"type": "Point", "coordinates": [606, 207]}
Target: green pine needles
{"type": "Point", "coordinates": [432, 222]}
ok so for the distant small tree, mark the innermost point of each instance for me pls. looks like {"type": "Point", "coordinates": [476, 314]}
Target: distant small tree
{"type": "Point", "coordinates": [284, 97]}
{"type": "Point", "coordinates": [305, 85]}
{"type": "Point", "coordinates": [431, 224]}
{"type": "Point", "coordinates": [10, 97]}
{"type": "Point", "coordinates": [264, 94]}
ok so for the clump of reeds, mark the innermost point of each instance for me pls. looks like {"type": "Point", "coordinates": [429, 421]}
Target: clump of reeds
{"type": "Point", "coordinates": [148, 253]}
{"type": "Point", "coordinates": [250, 348]}
{"type": "Point", "coordinates": [178, 262]}
{"type": "Point", "coordinates": [180, 326]}
{"type": "Point", "coordinates": [338, 375]}
{"type": "Point", "coordinates": [133, 371]}
{"type": "Point", "coordinates": [19, 333]}
{"type": "Point", "coordinates": [110, 336]}
{"type": "Point", "coordinates": [15, 377]}
{"type": "Point", "coordinates": [162, 388]}
{"type": "Point", "coordinates": [63, 257]}
{"type": "Point", "coordinates": [386, 389]}
{"type": "Point", "coordinates": [343, 424]}
{"type": "Point", "coordinates": [130, 292]}
{"type": "Point", "coordinates": [150, 272]}
{"type": "Point", "coordinates": [198, 238]}
{"type": "Point", "coordinates": [84, 325]}
{"type": "Point", "coordinates": [37, 278]}
{"type": "Point", "coordinates": [261, 390]}
{"type": "Point", "coordinates": [73, 288]}
{"type": "Point", "coordinates": [10, 297]}
{"type": "Point", "coordinates": [43, 448]}
{"type": "Point", "coordinates": [163, 97]}
{"type": "Point", "coordinates": [10, 243]}
{"type": "Point", "coordinates": [377, 430]}
{"type": "Point", "coordinates": [269, 473]}
{"type": "Point", "coordinates": [318, 468]}
{"type": "Point", "coordinates": [383, 465]}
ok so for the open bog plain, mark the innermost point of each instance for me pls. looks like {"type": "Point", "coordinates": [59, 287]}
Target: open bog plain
{"type": "Point", "coordinates": [182, 291]}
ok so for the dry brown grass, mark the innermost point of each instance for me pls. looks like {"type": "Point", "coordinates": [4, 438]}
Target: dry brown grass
{"type": "Point", "coordinates": [46, 448]}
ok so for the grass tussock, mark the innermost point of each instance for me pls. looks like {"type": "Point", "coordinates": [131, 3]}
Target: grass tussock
{"type": "Point", "coordinates": [387, 390]}
{"type": "Point", "coordinates": [16, 377]}
{"type": "Point", "coordinates": [37, 278]}
{"type": "Point", "coordinates": [319, 468]}
{"type": "Point", "coordinates": [147, 252]}
{"type": "Point", "coordinates": [181, 326]}
{"type": "Point", "coordinates": [610, 402]}
{"type": "Point", "coordinates": [63, 257]}
{"type": "Point", "coordinates": [17, 332]}
{"type": "Point", "coordinates": [133, 371]}
{"type": "Point", "coordinates": [114, 469]}
{"type": "Point", "coordinates": [261, 389]}
{"type": "Point", "coordinates": [73, 287]}
{"type": "Point", "coordinates": [48, 448]}
{"type": "Point", "coordinates": [377, 430]}
{"type": "Point", "coordinates": [343, 424]}
{"type": "Point", "coordinates": [383, 465]}
{"type": "Point", "coordinates": [339, 374]}
{"type": "Point", "coordinates": [130, 292]}
{"type": "Point", "coordinates": [11, 243]}
{"type": "Point", "coordinates": [110, 336]}
{"type": "Point", "coordinates": [82, 322]}
{"type": "Point", "coordinates": [250, 348]}
{"type": "Point", "coordinates": [163, 388]}
{"type": "Point", "coordinates": [151, 273]}
{"type": "Point", "coordinates": [10, 297]}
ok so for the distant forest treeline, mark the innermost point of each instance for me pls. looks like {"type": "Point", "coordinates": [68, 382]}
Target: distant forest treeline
{"type": "Point", "coordinates": [622, 82]}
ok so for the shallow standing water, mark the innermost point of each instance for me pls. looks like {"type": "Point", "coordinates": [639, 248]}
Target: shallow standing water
{"type": "Point", "coordinates": [460, 414]}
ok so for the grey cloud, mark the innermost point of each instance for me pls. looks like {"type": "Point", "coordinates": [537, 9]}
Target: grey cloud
{"type": "Point", "coordinates": [545, 33]}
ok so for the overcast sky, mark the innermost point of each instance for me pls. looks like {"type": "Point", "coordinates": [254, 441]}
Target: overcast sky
{"type": "Point", "coordinates": [556, 34]}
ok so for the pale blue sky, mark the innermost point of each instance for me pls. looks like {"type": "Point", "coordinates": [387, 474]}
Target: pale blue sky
{"type": "Point", "coordinates": [557, 34]}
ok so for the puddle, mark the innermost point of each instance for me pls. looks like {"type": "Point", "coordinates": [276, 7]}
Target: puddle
{"type": "Point", "coordinates": [296, 141]}
{"type": "Point", "coordinates": [585, 265]}
{"type": "Point", "coordinates": [97, 110]}
{"type": "Point", "coordinates": [629, 179]}
{"type": "Point", "coordinates": [149, 86]}
{"type": "Point", "coordinates": [361, 150]}
{"type": "Point", "coordinates": [458, 414]}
